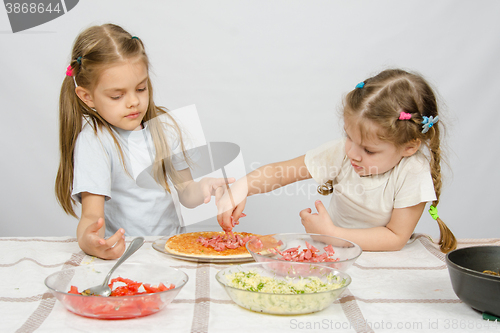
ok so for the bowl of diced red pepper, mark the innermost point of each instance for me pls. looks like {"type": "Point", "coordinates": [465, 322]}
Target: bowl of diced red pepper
{"type": "Point", "coordinates": [138, 289]}
{"type": "Point", "coordinates": [318, 249]}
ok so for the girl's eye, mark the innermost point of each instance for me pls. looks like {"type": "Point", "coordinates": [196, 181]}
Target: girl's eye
{"type": "Point", "coordinates": [369, 152]}
{"type": "Point", "coordinates": [142, 89]}
{"type": "Point", "coordinates": [115, 97]}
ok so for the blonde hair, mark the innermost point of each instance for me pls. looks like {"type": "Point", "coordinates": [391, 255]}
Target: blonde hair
{"type": "Point", "coordinates": [96, 49]}
{"type": "Point", "coordinates": [380, 100]}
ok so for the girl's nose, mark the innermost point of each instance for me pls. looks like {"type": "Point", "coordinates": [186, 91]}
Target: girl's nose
{"type": "Point", "coordinates": [133, 100]}
{"type": "Point", "coordinates": [353, 153]}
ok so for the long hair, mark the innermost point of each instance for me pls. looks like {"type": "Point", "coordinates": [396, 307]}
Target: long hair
{"type": "Point", "coordinates": [380, 101]}
{"type": "Point", "coordinates": [96, 49]}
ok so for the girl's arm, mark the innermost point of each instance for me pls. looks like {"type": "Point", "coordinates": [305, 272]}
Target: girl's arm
{"type": "Point", "coordinates": [91, 228]}
{"type": "Point", "coordinates": [392, 237]}
{"type": "Point", "coordinates": [264, 179]}
{"type": "Point", "coordinates": [193, 194]}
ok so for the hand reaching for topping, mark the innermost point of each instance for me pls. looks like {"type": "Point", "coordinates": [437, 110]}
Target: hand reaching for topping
{"type": "Point", "coordinates": [231, 204]}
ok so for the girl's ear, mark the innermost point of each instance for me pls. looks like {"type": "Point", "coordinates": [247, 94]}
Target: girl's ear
{"type": "Point", "coordinates": [411, 147]}
{"type": "Point", "coordinates": [85, 96]}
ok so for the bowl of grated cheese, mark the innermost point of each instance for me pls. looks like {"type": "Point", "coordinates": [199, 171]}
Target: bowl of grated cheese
{"type": "Point", "coordinates": [288, 288]}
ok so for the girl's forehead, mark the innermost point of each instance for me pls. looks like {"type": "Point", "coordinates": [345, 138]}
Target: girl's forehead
{"type": "Point", "coordinates": [120, 72]}
{"type": "Point", "coordinates": [367, 130]}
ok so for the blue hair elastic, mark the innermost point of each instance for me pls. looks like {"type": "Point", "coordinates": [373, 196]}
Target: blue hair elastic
{"type": "Point", "coordinates": [360, 85]}
{"type": "Point", "coordinates": [135, 37]}
{"type": "Point", "coordinates": [428, 122]}
{"type": "Point", "coordinates": [79, 60]}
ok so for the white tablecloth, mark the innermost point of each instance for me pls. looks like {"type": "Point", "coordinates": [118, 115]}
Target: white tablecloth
{"type": "Point", "coordinates": [403, 291]}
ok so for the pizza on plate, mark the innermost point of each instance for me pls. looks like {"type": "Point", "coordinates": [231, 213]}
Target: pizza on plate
{"type": "Point", "coordinates": [210, 244]}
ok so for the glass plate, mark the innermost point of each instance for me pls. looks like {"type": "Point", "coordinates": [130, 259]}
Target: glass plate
{"type": "Point", "coordinates": [159, 245]}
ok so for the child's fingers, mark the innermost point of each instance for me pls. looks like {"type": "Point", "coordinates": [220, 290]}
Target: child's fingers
{"type": "Point", "coordinates": [218, 182]}
{"type": "Point", "coordinates": [305, 212]}
{"type": "Point", "coordinates": [117, 250]}
{"type": "Point", "coordinates": [304, 216]}
{"type": "Point", "coordinates": [101, 242]}
{"type": "Point", "coordinates": [215, 185]}
{"type": "Point", "coordinates": [224, 213]}
{"type": "Point", "coordinates": [207, 199]}
{"type": "Point", "coordinates": [224, 220]}
{"type": "Point", "coordinates": [219, 192]}
{"type": "Point", "coordinates": [94, 227]}
{"type": "Point", "coordinates": [92, 233]}
{"type": "Point", "coordinates": [113, 247]}
{"type": "Point", "coordinates": [118, 236]}
{"type": "Point", "coordinates": [238, 212]}
{"type": "Point", "coordinates": [320, 207]}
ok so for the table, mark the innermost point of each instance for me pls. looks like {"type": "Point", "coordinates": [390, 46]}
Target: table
{"type": "Point", "coordinates": [407, 290]}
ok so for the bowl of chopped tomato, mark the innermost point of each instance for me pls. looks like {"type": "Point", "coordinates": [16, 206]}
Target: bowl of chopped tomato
{"type": "Point", "coordinates": [324, 250]}
{"type": "Point", "coordinates": [138, 289]}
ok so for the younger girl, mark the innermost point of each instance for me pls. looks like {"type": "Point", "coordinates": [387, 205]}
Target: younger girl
{"type": "Point", "coordinates": [379, 175]}
{"type": "Point", "coordinates": [108, 122]}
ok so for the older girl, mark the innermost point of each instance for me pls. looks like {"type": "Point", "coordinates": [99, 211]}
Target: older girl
{"type": "Point", "coordinates": [109, 121]}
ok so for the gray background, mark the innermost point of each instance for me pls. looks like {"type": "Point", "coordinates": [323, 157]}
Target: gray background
{"type": "Point", "coordinates": [268, 76]}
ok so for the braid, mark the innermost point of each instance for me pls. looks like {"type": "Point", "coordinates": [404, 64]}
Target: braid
{"type": "Point", "coordinates": [447, 240]}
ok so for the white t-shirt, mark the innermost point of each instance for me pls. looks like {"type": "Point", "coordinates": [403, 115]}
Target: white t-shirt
{"type": "Point", "coordinates": [365, 202]}
{"type": "Point", "coordinates": [134, 201]}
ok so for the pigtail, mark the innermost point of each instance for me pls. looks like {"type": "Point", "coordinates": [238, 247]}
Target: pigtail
{"type": "Point", "coordinates": [163, 168]}
{"type": "Point", "coordinates": [162, 164]}
{"type": "Point", "coordinates": [447, 240]}
{"type": "Point", "coordinates": [70, 126]}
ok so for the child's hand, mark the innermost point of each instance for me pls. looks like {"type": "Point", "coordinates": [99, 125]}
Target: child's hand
{"type": "Point", "coordinates": [228, 215]}
{"type": "Point", "coordinates": [214, 187]}
{"type": "Point", "coordinates": [317, 223]}
{"type": "Point", "coordinates": [93, 244]}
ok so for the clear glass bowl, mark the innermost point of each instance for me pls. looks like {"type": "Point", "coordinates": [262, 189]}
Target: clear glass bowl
{"type": "Point", "coordinates": [115, 307]}
{"type": "Point", "coordinates": [285, 304]}
{"type": "Point", "coordinates": [345, 251]}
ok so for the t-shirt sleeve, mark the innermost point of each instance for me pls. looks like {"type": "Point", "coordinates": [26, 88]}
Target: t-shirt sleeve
{"type": "Point", "coordinates": [325, 162]}
{"type": "Point", "coordinates": [92, 167]}
{"type": "Point", "coordinates": [414, 183]}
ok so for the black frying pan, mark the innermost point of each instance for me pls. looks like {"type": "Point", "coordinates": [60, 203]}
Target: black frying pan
{"type": "Point", "coordinates": [476, 289]}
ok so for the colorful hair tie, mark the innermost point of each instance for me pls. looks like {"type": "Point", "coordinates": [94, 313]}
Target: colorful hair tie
{"type": "Point", "coordinates": [360, 85]}
{"type": "Point", "coordinates": [79, 60]}
{"type": "Point", "coordinates": [434, 212]}
{"type": "Point", "coordinates": [404, 115]}
{"type": "Point", "coordinates": [69, 71]}
{"type": "Point", "coordinates": [428, 122]}
{"type": "Point", "coordinates": [135, 37]}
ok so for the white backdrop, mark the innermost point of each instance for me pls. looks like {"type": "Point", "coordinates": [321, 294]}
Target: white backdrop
{"type": "Point", "coordinates": [268, 76]}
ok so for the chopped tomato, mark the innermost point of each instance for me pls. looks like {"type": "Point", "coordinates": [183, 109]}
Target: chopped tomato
{"type": "Point", "coordinates": [113, 307]}
{"type": "Point", "coordinates": [73, 290]}
{"type": "Point", "coordinates": [130, 288]}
